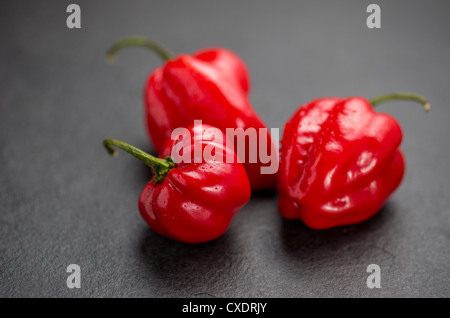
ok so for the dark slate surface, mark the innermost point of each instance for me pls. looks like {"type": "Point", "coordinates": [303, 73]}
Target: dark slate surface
{"type": "Point", "coordinates": [64, 200]}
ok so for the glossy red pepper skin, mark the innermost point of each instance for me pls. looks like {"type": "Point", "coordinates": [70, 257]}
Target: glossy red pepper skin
{"type": "Point", "coordinates": [211, 85]}
{"type": "Point", "coordinates": [196, 201]}
{"type": "Point", "coordinates": [339, 162]}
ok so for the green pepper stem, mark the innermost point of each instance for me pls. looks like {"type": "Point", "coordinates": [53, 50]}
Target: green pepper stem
{"type": "Point", "coordinates": [160, 166]}
{"type": "Point", "coordinates": [402, 96]}
{"type": "Point", "coordinates": [161, 51]}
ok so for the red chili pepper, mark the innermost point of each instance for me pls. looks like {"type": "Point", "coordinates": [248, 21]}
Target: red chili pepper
{"type": "Point", "coordinates": [339, 160]}
{"type": "Point", "coordinates": [211, 85]}
{"type": "Point", "coordinates": [190, 202]}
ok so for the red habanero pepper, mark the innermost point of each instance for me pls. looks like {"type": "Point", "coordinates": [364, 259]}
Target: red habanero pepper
{"type": "Point", "coordinates": [339, 160]}
{"type": "Point", "coordinates": [190, 202]}
{"type": "Point", "coordinates": [211, 85]}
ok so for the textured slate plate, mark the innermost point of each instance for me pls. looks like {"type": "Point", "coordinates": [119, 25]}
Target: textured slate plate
{"type": "Point", "coordinates": [64, 200]}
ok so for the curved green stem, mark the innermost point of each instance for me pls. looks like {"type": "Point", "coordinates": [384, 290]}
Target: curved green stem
{"type": "Point", "coordinates": [160, 166]}
{"type": "Point", "coordinates": [162, 52]}
{"type": "Point", "coordinates": [402, 96]}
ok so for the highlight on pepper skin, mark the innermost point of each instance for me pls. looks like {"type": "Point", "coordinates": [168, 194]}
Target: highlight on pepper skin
{"type": "Point", "coordinates": [180, 202]}
{"type": "Point", "coordinates": [253, 150]}
{"type": "Point", "coordinates": [340, 160]}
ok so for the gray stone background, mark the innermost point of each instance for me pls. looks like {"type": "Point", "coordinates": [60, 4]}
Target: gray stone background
{"type": "Point", "coordinates": [64, 200]}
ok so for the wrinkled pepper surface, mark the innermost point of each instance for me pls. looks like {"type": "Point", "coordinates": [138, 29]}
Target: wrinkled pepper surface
{"type": "Point", "coordinates": [340, 160]}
